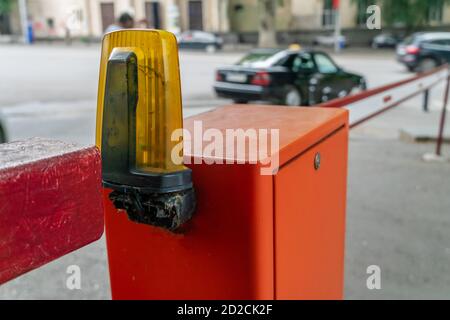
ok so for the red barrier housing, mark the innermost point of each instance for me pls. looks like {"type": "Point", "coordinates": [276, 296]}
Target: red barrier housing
{"type": "Point", "coordinates": [50, 203]}
{"type": "Point", "coordinates": [253, 236]}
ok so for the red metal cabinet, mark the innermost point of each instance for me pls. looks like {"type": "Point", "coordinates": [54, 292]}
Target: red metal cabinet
{"type": "Point", "coordinates": [253, 236]}
{"type": "Point", "coordinates": [310, 222]}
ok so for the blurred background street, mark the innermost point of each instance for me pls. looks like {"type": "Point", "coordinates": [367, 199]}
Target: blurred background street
{"type": "Point", "coordinates": [398, 205]}
{"type": "Point", "coordinates": [398, 208]}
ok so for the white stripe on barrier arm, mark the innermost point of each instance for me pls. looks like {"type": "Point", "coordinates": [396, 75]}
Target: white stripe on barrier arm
{"type": "Point", "coordinates": [366, 105]}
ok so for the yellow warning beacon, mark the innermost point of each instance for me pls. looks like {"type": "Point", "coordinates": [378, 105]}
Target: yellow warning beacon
{"type": "Point", "coordinates": [139, 107]}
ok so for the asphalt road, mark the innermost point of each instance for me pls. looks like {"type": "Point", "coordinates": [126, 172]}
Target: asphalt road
{"type": "Point", "coordinates": [57, 73]}
{"type": "Point", "coordinates": [398, 205]}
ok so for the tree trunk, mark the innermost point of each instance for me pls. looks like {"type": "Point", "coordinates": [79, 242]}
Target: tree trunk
{"type": "Point", "coordinates": [267, 23]}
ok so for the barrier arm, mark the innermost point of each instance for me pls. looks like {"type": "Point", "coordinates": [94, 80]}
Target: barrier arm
{"type": "Point", "coordinates": [50, 203]}
{"type": "Point", "coordinates": [368, 104]}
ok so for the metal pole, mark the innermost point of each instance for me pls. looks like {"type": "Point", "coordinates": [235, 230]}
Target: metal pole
{"type": "Point", "coordinates": [337, 30]}
{"type": "Point", "coordinates": [442, 123]}
{"type": "Point", "coordinates": [23, 11]}
{"type": "Point", "coordinates": [425, 100]}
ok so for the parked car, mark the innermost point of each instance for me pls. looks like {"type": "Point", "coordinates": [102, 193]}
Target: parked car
{"type": "Point", "coordinates": [385, 40]}
{"type": "Point", "coordinates": [329, 41]}
{"type": "Point", "coordinates": [199, 40]}
{"type": "Point", "coordinates": [424, 51]}
{"type": "Point", "coordinates": [289, 77]}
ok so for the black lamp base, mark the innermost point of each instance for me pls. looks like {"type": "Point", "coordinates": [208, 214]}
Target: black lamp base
{"type": "Point", "coordinates": [165, 210]}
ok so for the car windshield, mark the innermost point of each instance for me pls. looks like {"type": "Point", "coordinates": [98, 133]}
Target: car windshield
{"type": "Point", "coordinates": [261, 59]}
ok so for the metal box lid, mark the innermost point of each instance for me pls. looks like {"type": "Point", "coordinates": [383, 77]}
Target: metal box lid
{"type": "Point", "coordinates": [299, 128]}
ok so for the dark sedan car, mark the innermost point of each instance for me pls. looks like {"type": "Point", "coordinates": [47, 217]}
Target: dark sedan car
{"type": "Point", "coordinates": [289, 77]}
{"type": "Point", "coordinates": [199, 40]}
{"type": "Point", "coordinates": [385, 40]}
{"type": "Point", "coordinates": [424, 51]}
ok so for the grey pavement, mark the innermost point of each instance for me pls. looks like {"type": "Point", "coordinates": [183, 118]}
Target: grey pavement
{"type": "Point", "coordinates": [59, 73]}
{"type": "Point", "coordinates": [398, 205]}
{"type": "Point", "coordinates": [398, 213]}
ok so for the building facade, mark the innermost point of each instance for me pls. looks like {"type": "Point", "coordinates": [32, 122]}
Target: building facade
{"type": "Point", "coordinates": [298, 15]}
{"type": "Point", "coordinates": [89, 18]}
{"type": "Point", "coordinates": [172, 15]}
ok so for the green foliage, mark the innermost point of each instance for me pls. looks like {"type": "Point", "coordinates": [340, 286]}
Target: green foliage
{"type": "Point", "coordinates": [410, 13]}
{"type": "Point", "coordinates": [5, 6]}
{"type": "Point", "coordinates": [406, 13]}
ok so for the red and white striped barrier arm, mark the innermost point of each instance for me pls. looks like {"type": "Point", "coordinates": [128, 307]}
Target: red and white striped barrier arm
{"type": "Point", "coordinates": [370, 103]}
{"type": "Point", "coordinates": [50, 203]}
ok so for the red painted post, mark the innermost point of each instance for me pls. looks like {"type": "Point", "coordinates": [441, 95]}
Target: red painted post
{"type": "Point", "coordinates": [442, 122]}
{"type": "Point", "coordinates": [50, 203]}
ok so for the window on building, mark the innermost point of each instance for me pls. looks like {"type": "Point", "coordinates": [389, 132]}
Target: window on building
{"type": "Point", "coordinates": [435, 10]}
{"type": "Point", "coordinates": [195, 15]}
{"type": "Point", "coordinates": [328, 13]}
{"type": "Point", "coordinates": [107, 13]}
{"type": "Point", "coordinates": [153, 14]}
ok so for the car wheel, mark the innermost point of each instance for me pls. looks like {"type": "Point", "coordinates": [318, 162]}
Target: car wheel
{"type": "Point", "coordinates": [211, 48]}
{"type": "Point", "coordinates": [426, 64]}
{"type": "Point", "coordinates": [240, 101]}
{"type": "Point", "coordinates": [292, 97]}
